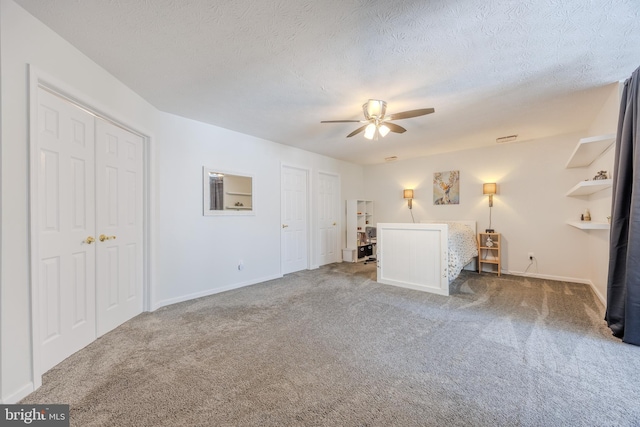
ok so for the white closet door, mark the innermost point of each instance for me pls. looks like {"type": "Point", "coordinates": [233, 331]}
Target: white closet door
{"type": "Point", "coordinates": [294, 220]}
{"type": "Point", "coordinates": [66, 219]}
{"type": "Point", "coordinates": [119, 207]}
{"type": "Point", "coordinates": [328, 188]}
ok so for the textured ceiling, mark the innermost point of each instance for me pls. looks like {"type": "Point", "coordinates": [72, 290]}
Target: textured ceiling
{"type": "Point", "coordinates": [276, 68]}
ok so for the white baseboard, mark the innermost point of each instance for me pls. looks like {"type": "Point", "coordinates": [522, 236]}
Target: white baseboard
{"type": "Point", "coordinates": [595, 290]}
{"type": "Point", "coordinates": [438, 291]}
{"type": "Point", "coordinates": [549, 277]}
{"type": "Point", "coordinates": [562, 279]}
{"type": "Point", "coordinates": [166, 302]}
{"type": "Point", "coordinates": [18, 395]}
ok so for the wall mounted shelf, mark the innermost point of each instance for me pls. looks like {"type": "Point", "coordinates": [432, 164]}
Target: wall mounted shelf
{"type": "Point", "coordinates": [585, 188]}
{"type": "Point", "coordinates": [589, 225]}
{"type": "Point", "coordinates": [589, 149]}
{"type": "Point", "coordinates": [586, 151]}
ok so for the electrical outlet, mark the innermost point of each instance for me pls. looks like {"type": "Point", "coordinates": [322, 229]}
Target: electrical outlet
{"type": "Point", "coordinates": [531, 256]}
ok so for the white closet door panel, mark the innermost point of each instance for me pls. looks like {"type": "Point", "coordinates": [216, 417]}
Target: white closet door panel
{"type": "Point", "coordinates": [119, 171]}
{"type": "Point", "coordinates": [66, 212]}
{"type": "Point", "coordinates": [80, 282]}
{"type": "Point", "coordinates": [50, 293]}
{"type": "Point", "coordinates": [50, 201]}
{"type": "Point", "coordinates": [131, 280]}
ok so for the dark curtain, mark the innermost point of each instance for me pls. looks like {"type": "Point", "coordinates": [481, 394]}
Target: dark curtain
{"type": "Point", "coordinates": [215, 193]}
{"type": "Point", "coordinates": [623, 285]}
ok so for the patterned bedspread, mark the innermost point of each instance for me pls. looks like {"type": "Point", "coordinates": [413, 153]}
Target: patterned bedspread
{"type": "Point", "coordinates": [462, 248]}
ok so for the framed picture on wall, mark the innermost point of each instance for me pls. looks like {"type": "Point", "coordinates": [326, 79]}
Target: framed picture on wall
{"type": "Point", "coordinates": [446, 188]}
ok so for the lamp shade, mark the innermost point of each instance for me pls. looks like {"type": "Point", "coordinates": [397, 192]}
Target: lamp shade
{"type": "Point", "coordinates": [408, 194]}
{"type": "Point", "coordinates": [490, 188]}
{"type": "Point", "coordinates": [374, 108]}
{"type": "Point", "coordinates": [370, 131]}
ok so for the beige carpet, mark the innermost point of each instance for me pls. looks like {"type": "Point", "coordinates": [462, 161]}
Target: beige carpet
{"type": "Point", "coordinates": [331, 347]}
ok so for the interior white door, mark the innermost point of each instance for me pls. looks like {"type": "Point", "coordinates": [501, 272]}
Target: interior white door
{"type": "Point", "coordinates": [294, 220]}
{"type": "Point", "coordinates": [65, 254]}
{"type": "Point", "coordinates": [328, 192]}
{"type": "Point", "coordinates": [119, 245]}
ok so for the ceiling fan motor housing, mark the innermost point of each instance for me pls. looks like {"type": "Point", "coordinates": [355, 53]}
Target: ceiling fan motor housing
{"type": "Point", "coordinates": [374, 108]}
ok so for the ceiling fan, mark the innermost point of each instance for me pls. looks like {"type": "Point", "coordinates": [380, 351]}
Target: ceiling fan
{"type": "Point", "coordinates": [377, 123]}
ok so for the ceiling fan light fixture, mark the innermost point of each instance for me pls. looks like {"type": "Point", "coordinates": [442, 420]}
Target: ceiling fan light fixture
{"type": "Point", "coordinates": [376, 123]}
{"type": "Point", "coordinates": [370, 131]}
{"type": "Point", "coordinates": [374, 108]}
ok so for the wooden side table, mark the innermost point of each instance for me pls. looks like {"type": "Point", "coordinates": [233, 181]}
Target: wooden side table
{"type": "Point", "coordinates": [489, 245]}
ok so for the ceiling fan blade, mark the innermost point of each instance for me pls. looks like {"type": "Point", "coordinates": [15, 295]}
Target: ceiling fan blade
{"type": "Point", "coordinates": [357, 131]}
{"type": "Point", "coordinates": [409, 114]}
{"type": "Point", "coordinates": [394, 127]}
{"type": "Point", "coordinates": [341, 121]}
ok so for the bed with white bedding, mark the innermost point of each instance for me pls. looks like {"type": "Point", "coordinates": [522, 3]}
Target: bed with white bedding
{"type": "Point", "coordinates": [425, 256]}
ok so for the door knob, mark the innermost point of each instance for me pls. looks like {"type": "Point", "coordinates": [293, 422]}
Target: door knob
{"type": "Point", "coordinates": [334, 223]}
{"type": "Point", "coordinates": [103, 237]}
{"type": "Point", "coordinates": [89, 240]}
{"type": "Point", "coordinates": [284, 225]}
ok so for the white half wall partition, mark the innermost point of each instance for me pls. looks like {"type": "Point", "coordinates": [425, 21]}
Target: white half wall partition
{"type": "Point", "coordinates": [413, 256]}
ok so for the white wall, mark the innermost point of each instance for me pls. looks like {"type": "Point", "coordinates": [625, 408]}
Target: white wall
{"type": "Point", "coordinates": [605, 122]}
{"type": "Point", "coordinates": [529, 210]}
{"type": "Point", "coordinates": [190, 255]}
{"type": "Point", "coordinates": [199, 255]}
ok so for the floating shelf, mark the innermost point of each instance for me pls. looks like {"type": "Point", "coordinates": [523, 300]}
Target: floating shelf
{"type": "Point", "coordinates": [584, 188]}
{"type": "Point", "coordinates": [589, 225]}
{"type": "Point", "coordinates": [238, 208]}
{"type": "Point", "coordinates": [589, 149]}
{"type": "Point", "coordinates": [234, 193]}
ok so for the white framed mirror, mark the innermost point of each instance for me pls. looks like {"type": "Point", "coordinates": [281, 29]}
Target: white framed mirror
{"type": "Point", "coordinates": [226, 192]}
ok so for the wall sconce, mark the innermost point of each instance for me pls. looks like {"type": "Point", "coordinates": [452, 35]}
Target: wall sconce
{"type": "Point", "coordinates": [490, 189]}
{"type": "Point", "coordinates": [408, 194]}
